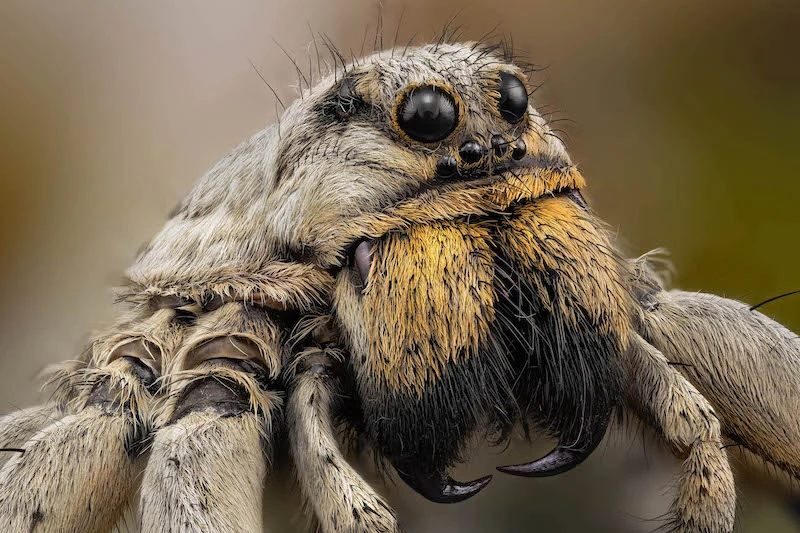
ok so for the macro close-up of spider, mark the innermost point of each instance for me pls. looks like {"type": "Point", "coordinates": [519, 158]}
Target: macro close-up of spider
{"type": "Point", "coordinates": [401, 269]}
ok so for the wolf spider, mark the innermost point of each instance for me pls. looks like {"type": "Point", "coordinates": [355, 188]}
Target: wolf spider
{"type": "Point", "coordinates": [408, 254]}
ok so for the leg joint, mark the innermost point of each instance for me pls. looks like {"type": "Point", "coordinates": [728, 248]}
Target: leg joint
{"type": "Point", "coordinates": [226, 375]}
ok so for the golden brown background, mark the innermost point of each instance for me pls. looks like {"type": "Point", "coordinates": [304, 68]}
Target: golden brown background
{"type": "Point", "coordinates": [686, 122]}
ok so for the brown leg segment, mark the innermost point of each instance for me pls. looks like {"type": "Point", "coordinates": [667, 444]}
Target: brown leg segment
{"type": "Point", "coordinates": [16, 428]}
{"type": "Point", "coordinates": [211, 452]}
{"type": "Point", "coordinates": [78, 472]}
{"type": "Point", "coordinates": [663, 398]}
{"type": "Point", "coordinates": [342, 500]}
{"type": "Point", "coordinates": [205, 473]}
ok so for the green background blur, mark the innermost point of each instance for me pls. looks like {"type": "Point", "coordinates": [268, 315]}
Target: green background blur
{"type": "Point", "coordinates": [684, 116]}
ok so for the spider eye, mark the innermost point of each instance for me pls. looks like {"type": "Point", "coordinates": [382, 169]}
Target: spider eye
{"type": "Point", "coordinates": [513, 102]}
{"type": "Point", "coordinates": [427, 114]}
{"type": "Point", "coordinates": [348, 99]}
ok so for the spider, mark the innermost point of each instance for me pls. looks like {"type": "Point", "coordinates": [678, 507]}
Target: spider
{"type": "Point", "coordinates": [407, 254]}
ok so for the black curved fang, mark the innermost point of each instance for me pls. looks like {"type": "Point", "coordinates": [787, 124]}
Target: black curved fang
{"type": "Point", "coordinates": [441, 488]}
{"type": "Point", "coordinates": [563, 457]}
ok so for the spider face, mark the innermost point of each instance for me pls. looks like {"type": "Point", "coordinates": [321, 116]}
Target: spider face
{"type": "Point", "coordinates": [472, 287]}
{"type": "Point", "coordinates": [478, 292]}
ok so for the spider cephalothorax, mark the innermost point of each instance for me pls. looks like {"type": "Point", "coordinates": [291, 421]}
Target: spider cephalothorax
{"type": "Point", "coordinates": [407, 253]}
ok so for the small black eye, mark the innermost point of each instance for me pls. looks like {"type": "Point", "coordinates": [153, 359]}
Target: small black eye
{"type": "Point", "coordinates": [347, 100]}
{"type": "Point", "coordinates": [428, 114]}
{"type": "Point", "coordinates": [513, 102]}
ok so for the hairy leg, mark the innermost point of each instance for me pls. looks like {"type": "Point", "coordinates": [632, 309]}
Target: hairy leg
{"type": "Point", "coordinates": [211, 451]}
{"type": "Point", "coordinates": [16, 428]}
{"type": "Point", "coordinates": [78, 472]}
{"type": "Point", "coordinates": [663, 398]}
{"type": "Point", "coordinates": [746, 365]}
{"type": "Point", "coordinates": [342, 500]}
{"type": "Point", "coordinates": [205, 473]}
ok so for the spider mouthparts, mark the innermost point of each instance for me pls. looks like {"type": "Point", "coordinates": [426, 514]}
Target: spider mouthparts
{"type": "Point", "coordinates": [565, 456]}
{"type": "Point", "coordinates": [441, 488]}
{"type": "Point", "coordinates": [556, 462]}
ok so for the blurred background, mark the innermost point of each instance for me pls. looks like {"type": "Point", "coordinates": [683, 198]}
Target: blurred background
{"type": "Point", "coordinates": [683, 115]}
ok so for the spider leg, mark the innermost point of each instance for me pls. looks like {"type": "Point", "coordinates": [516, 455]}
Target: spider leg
{"type": "Point", "coordinates": [746, 364]}
{"type": "Point", "coordinates": [342, 500]}
{"type": "Point", "coordinates": [18, 427]}
{"type": "Point", "coordinates": [77, 472]}
{"type": "Point", "coordinates": [663, 398]}
{"type": "Point", "coordinates": [211, 451]}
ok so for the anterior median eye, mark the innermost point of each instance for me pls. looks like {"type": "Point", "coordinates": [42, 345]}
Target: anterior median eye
{"type": "Point", "coordinates": [513, 102]}
{"type": "Point", "coordinates": [427, 114]}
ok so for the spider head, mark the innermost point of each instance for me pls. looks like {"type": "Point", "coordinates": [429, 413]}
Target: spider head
{"type": "Point", "coordinates": [478, 291]}
{"type": "Point", "coordinates": [421, 195]}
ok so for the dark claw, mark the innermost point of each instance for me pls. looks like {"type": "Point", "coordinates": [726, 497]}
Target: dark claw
{"type": "Point", "coordinates": [563, 457]}
{"type": "Point", "coordinates": [556, 462]}
{"type": "Point", "coordinates": [441, 488]}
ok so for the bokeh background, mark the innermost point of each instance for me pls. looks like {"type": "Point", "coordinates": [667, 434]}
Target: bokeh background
{"type": "Point", "coordinates": [684, 115]}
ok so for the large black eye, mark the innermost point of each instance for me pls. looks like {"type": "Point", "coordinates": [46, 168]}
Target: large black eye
{"type": "Point", "coordinates": [513, 102]}
{"type": "Point", "coordinates": [428, 114]}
